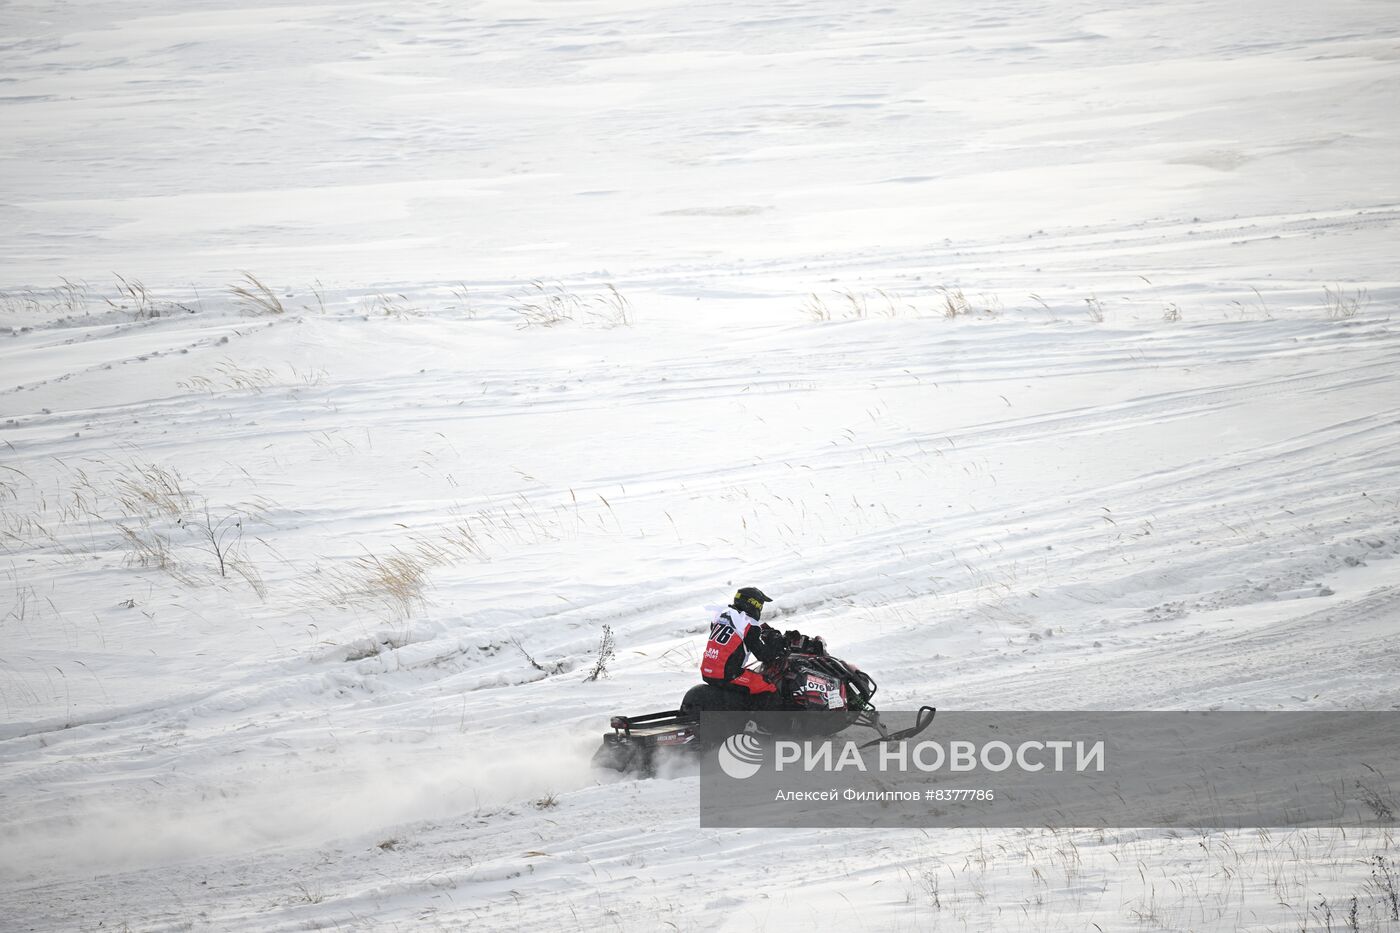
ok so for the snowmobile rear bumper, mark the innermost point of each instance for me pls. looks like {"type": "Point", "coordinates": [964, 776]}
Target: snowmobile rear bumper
{"type": "Point", "coordinates": [637, 742]}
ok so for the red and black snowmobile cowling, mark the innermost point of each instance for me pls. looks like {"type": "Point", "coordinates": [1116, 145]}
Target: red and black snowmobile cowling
{"type": "Point", "coordinates": [806, 682]}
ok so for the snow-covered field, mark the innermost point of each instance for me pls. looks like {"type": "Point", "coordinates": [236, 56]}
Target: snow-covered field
{"type": "Point", "coordinates": [1039, 355]}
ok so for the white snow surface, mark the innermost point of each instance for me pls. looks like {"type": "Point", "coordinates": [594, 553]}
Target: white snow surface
{"type": "Point", "coordinates": [1038, 355]}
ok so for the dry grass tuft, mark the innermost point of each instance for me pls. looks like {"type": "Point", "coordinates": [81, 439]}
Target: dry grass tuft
{"type": "Point", "coordinates": [254, 297]}
{"type": "Point", "coordinates": [815, 308]}
{"type": "Point", "coordinates": [394, 306]}
{"type": "Point", "coordinates": [144, 512]}
{"type": "Point", "coordinates": [1342, 306]}
{"type": "Point", "coordinates": [612, 309]}
{"type": "Point", "coordinates": [954, 303]}
{"type": "Point", "coordinates": [856, 305]}
{"type": "Point", "coordinates": [66, 300]}
{"type": "Point", "coordinates": [395, 583]}
{"type": "Point", "coordinates": [149, 490]}
{"type": "Point", "coordinates": [543, 305]}
{"type": "Point", "coordinates": [547, 306]}
{"type": "Point", "coordinates": [134, 298]}
{"type": "Point", "coordinates": [1095, 309]}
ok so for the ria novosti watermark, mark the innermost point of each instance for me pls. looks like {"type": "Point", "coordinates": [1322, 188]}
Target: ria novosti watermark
{"type": "Point", "coordinates": [927, 757]}
{"type": "Point", "coordinates": [1225, 769]}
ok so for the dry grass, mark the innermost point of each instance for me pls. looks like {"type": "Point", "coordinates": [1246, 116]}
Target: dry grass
{"type": "Point", "coordinates": [230, 376]}
{"type": "Point", "coordinates": [857, 305]}
{"type": "Point", "coordinates": [10, 481]}
{"type": "Point", "coordinates": [1258, 308]}
{"type": "Point", "coordinates": [66, 300]}
{"type": "Point", "coordinates": [394, 583]}
{"type": "Point", "coordinates": [1342, 306]}
{"type": "Point", "coordinates": [395, 306]}
{"type": "Point", "coordinates": [547, 305]}
{"type": "Point", "coordinates": [134, 298]}
{"type": "Point", "coordinates": [815, 308]}
{"type": "Point", "coordinates": [394, 579]}
{"type": "Point", "coordinates": [554, 667]}
{"type": "Point", "coordinates": [150, 490]}
{"type": "Point", "coordinates": [397, 581]}
{"type": "Point", "coordinates": [148, 546]}
{"type": "Point", "coordinates": [464, 301]}
{"type": "Point", "coordinates": [894, 306]}
{"type": "Point", "coordinates": [143, 511]}
{"type": "Point", "coordinates": [1094, 309]}
{"type": "Point", "coordinates": [309, 378]}
{"type": "Point", "coordinates": [254, 297]}
{"type": "Point", "coordinates": [611, 309]}
{"type": "Point", "coordinates": [318, 291]}
{"type": "Point", "coordinates": [852, 305]}
{"type": "Point", "coordinates": [26, 601]}
{"type": "Point", "coordinates": [955, 303]}
{"type": "Point", "coordinates": [158, 506]}
{"type": "Point", "coordinates": [544, 305]}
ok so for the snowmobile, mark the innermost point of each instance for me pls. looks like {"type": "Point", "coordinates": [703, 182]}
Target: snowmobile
{"type": "Point", "coordinates": [807, 679]}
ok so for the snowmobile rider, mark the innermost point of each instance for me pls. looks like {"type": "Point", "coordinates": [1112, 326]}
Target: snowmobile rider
{"type": "Point", "coordinates": [735, 632]}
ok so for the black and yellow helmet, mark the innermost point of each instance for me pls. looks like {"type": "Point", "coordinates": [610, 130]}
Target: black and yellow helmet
{"type": "Point", "coordinates": [749, 600]}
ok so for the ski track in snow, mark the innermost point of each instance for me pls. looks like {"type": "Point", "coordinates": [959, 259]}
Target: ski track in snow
{"type": "Point", "coordinates": [1012, 508]}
